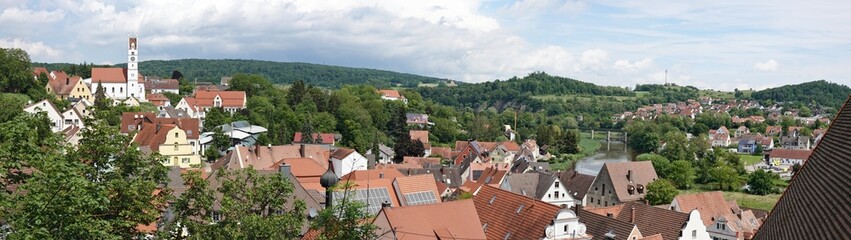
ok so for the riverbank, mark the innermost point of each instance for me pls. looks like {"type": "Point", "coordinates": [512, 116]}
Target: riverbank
{"type": "Point", "coordinates": [564, 162]}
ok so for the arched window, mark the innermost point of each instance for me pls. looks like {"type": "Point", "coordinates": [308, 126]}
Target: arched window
{"type": "Point", "coordinates": [175, 148]}
{"type": "Point", "coordinates": [175, 134]}
{"type": "Point", "coordinates": [113, 89]}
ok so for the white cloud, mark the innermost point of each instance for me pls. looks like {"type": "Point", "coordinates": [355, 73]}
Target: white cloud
{"type": "Point", "coordinates": [626, 66]}
{"type": "Point", "coordinates": [530, 8]}
{"type": "Point", "coordinates": [769, 65]}
{"type": "Point", "coordinates": [38, 51]}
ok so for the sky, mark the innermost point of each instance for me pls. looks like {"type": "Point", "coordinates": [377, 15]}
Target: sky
{"type": "Point", "coordinates": [721, 44]}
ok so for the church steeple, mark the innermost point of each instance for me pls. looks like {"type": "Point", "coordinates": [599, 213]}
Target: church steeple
{"type": "Point", "coordinates": [132, 61]}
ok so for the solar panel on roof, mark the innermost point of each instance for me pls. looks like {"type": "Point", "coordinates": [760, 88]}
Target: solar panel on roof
{"type": "Point", "coordinates": [417, 198]}
{"type": "Point", "coordinates": [377, 196]}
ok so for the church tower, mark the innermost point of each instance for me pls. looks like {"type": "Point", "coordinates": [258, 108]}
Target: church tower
{"type": "Point", "coordinates": [134, 88]}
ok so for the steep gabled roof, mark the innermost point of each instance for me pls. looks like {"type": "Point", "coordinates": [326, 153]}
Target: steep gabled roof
{"type": "Point", "coordinates": [390, 93]}
{"type": "Point", "coordinates": [641, 173]}
{"type": "Point", "coordinates": [790, 153]}
{"type": "Point", "coordinates": [229, 98]}
{"type": "Point", "coordinates": [816, 205]}
{"type": "Point", "coordinates": [650, 220]}
{"type": "Point", "coordinates": [600, 225]}
{"type": "Point", "coordinates": [577, 184]}
{"type": "Point", "coordinates": [449, 220]}
{"type": "Point", "coordinates": [152, 135]}
{"type": "Point", "coordinates": [109, 75]}
{"type": "Point", "coordinates": [513, 215]}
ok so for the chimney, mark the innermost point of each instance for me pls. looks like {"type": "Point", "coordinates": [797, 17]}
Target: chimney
{"type": "Point", "coordinates": [632, 215]}
{"type": "Point", "coordinates": [629, 175]}
{"type": "Point", "coordinates": [67, 81]}
{"type": "Point", "coordinates": [301, 151]}
{"type": "Point", "coordinates": [284, 169]}
{"type": "Point", "coordinates": [159, 125]}
{"type": "Point", "coordinates": [386, 204]}
{"type": "Point", "coordinates": [578, 209]}
{"type": "Point", "coordinates": [381, 175]}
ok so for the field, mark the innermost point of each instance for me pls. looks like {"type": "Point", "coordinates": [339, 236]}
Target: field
{"type": "Point", "coordinates": [748, 160]}
{"type": "Point", "coordinates": [744, 199]}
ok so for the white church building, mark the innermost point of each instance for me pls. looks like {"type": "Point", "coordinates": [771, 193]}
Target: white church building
{"type": "Point", "coordinates": [121, 83]}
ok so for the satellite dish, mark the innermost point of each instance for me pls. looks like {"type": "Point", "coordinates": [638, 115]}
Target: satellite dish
{"type": "Point", "coordinates": [312, 213]}
{"type": "Point", "coordinates": [580, 229]}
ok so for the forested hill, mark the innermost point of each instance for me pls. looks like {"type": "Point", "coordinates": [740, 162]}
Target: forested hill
{"type": "Point", "coordinates": [281, 72]}
{"type": "Point", "coordinates": [516, 91]}
{"type": "Point", "coordinates": [820, 92]}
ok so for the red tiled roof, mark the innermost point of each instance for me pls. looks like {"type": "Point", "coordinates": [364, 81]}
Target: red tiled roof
{"type": "Point", "coordinates": [650, 220]}
{"type": "Point", "coordinates": [39, 70]}
{"type": "Point", "coordinates": [370, 174]}
{"type": "Point", "coordinates": [341, 153]}
{"type": "Point", "coordinates": [442, 152]}
{"type": "Point", "coordinates": [164, 84]}
{"type": "Point", "coordinates": [130, 121]}
{"type": "Point", "coordinates": [790, 153]}
{"type": "Point", "coordinates": [711, 206]}
{"type": "Point", "coordinates": [109, 75]}
{"type": "Point", "coordinates": [235, 99]}
{"type": "Point", "coordinates": [511, 146]}
{"type": "Point", "coordinates": [157, 99]}
{"type": "Point", "coordinates": [61, 83]}
{"type": "Point", "coordinates": [420, 160]}
{"type": "Point", "coordinates": [816, 205]}
{"type": "Point", "coordinates": [152, 137]}
{"type": "Point", "coordinates": [391, 93]}
{"type": "Point", "coordinates": [417, 183]}
{"type": "Point", "coordinates": [419, 135]}
{"type": "Point", "coordinates": [449, 220]}
{"type": "Point", "coordinates": [642, 173]}
{"type": "Point", "coordinates": [327, 138]}
{"type": "Point", "coordinates": [508, 213]}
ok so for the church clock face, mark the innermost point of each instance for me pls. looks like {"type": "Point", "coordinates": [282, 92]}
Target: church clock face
{"type": "Point", "coordinates": [132, 58]}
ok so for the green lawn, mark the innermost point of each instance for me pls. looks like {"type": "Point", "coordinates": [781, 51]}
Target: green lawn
{"type": "Point", "coordinates": [588, 146]}
{"type": "Point", "coordinates": [743, 199]}
{"type": "Point", "coordinates": [750, 159]}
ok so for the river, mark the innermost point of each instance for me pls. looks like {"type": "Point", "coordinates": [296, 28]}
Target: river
{"type": "Point", "coordinates": [609, 152]}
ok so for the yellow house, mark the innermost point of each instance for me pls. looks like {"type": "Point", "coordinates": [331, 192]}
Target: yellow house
{"type": "Point", "coordinates": [63, 86]}
{"type": "Point", "coordinates": [170, 141]}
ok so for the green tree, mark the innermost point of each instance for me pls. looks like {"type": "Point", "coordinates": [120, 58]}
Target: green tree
{"type": "Point", "coordinates": [345, 219]}
{"type": "Point", "coordinates": [660, 163]}
{"type": "Point", "coordinates": [760, 183]}
{"type": "Point", "coordinates": [102, 102]}
{"type": "Point", "coordinates": [676, 147]}
{"type": "Point", "coordinates": [256, 206]}
{"type": "Point", "coordinates": [15, 71]}
{"type": "Point", "coordinates": [10, 107]}
{"type": "Point", "coordinates": [216, 117]}
{"type": "Point", "coordinates": [682, 174]}
{"type": "Point", "coordinates": [569, 142]}
{"type": "Point", "coordinates": [102, 189]}
{"type": "Point", "coordinates": [643, 136]}
{"type": "Point", "coordinates": [660, 191]}
{"type": "Point", "coordinates": [725, 178]}
{"type": "Point", "coordinates": [173, 98]}
{"type": "Point", "coordinates": [296, 93]}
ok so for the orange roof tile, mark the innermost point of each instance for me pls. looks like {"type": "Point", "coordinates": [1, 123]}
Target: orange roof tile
{"type": "Point", "coordinates": [503, 210]}
{"type": "Point", "coordinates": [235, 99]}
{"type": "Point", "coordinates": [419, 135]}
{"type": "Point", "coordinates": [449, 220]}
{"type": "Point", "coordinates": [109, 75]}
{"type": "Point", "coordinates": [358, 175]}
{"type": "Point", "coordinates": [391, 93]}
{"type": "Point", "coordinates": [152, 137]}
{"type": "Point", "coordinates": [417, 183]}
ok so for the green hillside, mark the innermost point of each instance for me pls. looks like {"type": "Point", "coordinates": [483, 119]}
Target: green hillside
{"type": "Point", "coordinates": [819, 92]}
{"type": "Point", "coordinates": [282, 72]}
